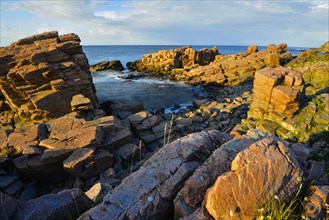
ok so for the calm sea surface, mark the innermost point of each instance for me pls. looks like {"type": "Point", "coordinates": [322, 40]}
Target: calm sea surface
{"type": "Point", "coordinates": [152, 92]}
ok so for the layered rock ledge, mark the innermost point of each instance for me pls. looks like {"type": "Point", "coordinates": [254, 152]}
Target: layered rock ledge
{"type": "Point", "coordinates": [46, 76]}
{"type": "Point", "coordinates": [209, 67]}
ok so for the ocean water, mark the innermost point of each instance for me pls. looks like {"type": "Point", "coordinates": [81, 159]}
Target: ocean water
{"type": "Point", "coordinates": [152, 92]}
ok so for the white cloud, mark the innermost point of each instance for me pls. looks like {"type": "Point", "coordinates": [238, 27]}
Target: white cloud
{"type": "Point", "coordinates": [320, 6]}
{"type": "Point", "coordinates": [59, 9]}
{"type": "Point", "coordinates": [181, 22]}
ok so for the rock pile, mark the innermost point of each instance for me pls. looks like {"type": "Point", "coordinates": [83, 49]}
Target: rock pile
{"type": "Point", "coordinates": [46, 76]}
{"type": "Point", "coordinates": [64, 148]}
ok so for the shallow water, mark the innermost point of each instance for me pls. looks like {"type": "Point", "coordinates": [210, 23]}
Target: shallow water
{"type": "Point", "coordinates": [152, 92]}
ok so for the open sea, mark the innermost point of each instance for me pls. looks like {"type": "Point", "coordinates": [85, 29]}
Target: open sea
{"type": "Point", "coordinates": [152, 92]}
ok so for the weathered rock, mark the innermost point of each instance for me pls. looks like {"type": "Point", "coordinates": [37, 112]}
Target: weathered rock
{"type": "Point", "coordinates": [32, 167]}
{"type": "Point", "coordinates": [44, 69]}
{"type": "Point", "coordinates": [121, 137]}
{"type": "Point", "coordinates": [317, 204]}
{"type": "Point", "coordinates": [76, 162]}
{"type": "Point", "coordinates": [67, 204]}
{"type": "Point", "coordinates": [107, 65]}
{"type": "Point", "coordinates": [98, 192]}
{"type": "Point", "coordinates": [194, 189]}
{"type": "Point", "coordinates": [314, 66]}
{"type": "Point", "coordinates": [114, 107]}
{"type": "Point", "coordinates": [254, 166]}
{"type": "Point", "coordinates": [149, 191]}
{"type": "Point", "coordinates": [270, 95]}
{"type": "Point", "coordinates": [185, 64]}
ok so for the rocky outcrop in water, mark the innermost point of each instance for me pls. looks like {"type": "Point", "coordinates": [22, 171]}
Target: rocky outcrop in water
{"type": "Point", "coordinates": [166, 60]}
{"type": "Point", "coordinates": [219, 70]}
{"type": "Point", "coordinates": [107, 65]}
{"type": "Point", "coordinates": [46, 76]}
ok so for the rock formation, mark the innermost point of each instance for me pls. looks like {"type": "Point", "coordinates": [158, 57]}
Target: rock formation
{"type": "Point", "coordinates": [253, 179]}
{"type": "Point", "coordinates": [194, 190]}
{"type": "Point", "coordinates": [217, 70]}
{"type": "Point", "coordinates": [148, 192]}
{"type": "Point", "coordinates": [277, 91]}
{"type": "Point", "coordinates": [313, 64]}
{"type": "Point", "coordinates": [107, 65]}
{"type": "Point", "coordinates": [166, 60]}
{"type": "Point", "coordinates": [46, 76]}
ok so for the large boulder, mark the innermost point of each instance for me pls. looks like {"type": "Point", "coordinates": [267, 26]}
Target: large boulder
{"type": "Point", "coordinates": [265, 169]}
{"type": "Point", "coordinates": [40, 75]}
{"type": "Point", "coordinates": [192, 194]}
{"type": "Point", "coordinates": [149, 192]}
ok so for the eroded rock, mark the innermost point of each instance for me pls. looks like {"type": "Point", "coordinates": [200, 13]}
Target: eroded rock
{"type": "Point", "coordinates": [149, 191]}
{"type": "Point", "coordinates": [44, 69]}
{"type": "Point", "coordinates": [234, 196]}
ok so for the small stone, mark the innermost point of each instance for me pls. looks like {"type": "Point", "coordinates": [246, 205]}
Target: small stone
{"type": "Point", "coordinates": [98, 192]}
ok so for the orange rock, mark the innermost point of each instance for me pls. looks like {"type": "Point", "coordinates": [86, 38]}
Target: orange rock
{"type": "Point", "coordinates": [44, 69]}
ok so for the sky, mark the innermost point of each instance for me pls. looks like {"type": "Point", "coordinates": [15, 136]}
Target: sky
{"type": "Point", "coordinates": [302, 23]}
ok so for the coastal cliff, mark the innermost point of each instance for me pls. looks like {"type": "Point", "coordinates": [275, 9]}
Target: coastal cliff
{"type": "Point", "coordinates": [63, 155]}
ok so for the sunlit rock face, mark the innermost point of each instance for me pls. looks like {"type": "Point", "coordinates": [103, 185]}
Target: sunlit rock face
{"type": "Point", "coordinates": [41, 75]}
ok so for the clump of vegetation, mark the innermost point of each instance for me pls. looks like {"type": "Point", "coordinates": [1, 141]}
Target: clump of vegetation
{"type": "Point", "coordinates": [277, 209]}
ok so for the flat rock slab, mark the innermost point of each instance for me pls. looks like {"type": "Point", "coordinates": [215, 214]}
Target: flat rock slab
{"type": "Point", "coordinates": [266, 168]}
{"type": "Point", "coordinates": [148, 193]}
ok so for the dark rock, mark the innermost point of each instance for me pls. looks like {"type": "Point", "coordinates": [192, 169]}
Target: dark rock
{"type": "Point", "coordinates": [107, 65]}
{"type": "Point", "coordinates": [9, 206]}
{"type": "Point", "coordinates": [6, 180]}
{"type": "Point", "coordinates": [67, 204]}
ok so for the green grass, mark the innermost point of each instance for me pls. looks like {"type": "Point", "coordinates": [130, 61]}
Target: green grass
{"type": "Point", "coordinates": [276, 209]}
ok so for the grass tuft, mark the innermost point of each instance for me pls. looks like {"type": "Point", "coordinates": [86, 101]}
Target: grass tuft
{"type": "Point", "coordinates": [276, 209]}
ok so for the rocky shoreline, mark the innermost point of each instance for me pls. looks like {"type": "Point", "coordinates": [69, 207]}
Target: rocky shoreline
{"type": "Point", "coordinates": [266, 115]}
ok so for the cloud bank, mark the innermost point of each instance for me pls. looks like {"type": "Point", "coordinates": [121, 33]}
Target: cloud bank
{"type": "Point", "coordinates": [299, 23]}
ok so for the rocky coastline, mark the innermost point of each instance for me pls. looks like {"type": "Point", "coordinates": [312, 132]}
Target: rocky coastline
{"type": "Point", "coordinates": [261, 133]}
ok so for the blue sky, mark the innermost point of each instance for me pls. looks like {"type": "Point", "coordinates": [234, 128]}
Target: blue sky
{"type": "Point", "coordinates": [180, 22]}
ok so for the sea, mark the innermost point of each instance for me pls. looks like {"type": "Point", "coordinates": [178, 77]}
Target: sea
{"type": "Point", "coordinates": [153, 92]}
